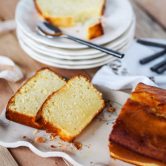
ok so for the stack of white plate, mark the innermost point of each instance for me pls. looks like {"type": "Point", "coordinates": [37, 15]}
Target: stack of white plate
{"type": "Point", "coordinates": [119, 28]}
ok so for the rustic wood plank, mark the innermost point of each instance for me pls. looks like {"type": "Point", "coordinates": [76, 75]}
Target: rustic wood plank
{"type": "Point", "coordinates": [156, 9]}
{"type": "Point", "coordinates": [146, 26]}
{"type": "Point", "coordinates": [6, 158]}
{"type": "Point", "coordinates": [33, 160]}
{"type": "Point", "coordinates": [8, 9]}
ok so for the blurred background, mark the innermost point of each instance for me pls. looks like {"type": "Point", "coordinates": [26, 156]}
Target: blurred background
{"type": "Point", "coordinates": [151, 21]}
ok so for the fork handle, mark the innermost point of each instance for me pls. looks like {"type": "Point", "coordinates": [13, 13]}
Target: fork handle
{"type": "Point", "coordinates": [92, 45]}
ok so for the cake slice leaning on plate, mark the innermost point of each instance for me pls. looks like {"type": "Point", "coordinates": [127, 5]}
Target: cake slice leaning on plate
{"type": "Point", "coordinates": [68, 111]}
{"type": "Point", "coordinates": [25, 104]}
{"type": "Point", "coordinates": [70, 13]}
{"type": "Point", "coordinates": [141, 128]}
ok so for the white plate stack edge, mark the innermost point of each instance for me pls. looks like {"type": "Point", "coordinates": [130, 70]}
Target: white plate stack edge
{"type": "Point", "coordinates": [119, 27]}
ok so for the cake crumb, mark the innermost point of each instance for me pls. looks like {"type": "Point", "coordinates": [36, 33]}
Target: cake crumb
{"type": "Point", "coordinates": [24, 137]}
{"type": "Point", "coordinates": [109, 106]}
{"type": "Point", "coordinates": [52, 137]}
{"type": "Point", "coordinates": [40, 140]}
{"type": "Point", "coordinates": [35, 132]}
{"type": "Point", "coordinates": [78, 145]}
{"type": "Point", "coordinates": [111, 109]}
{"type": "Point", "coordinates": [53, 146]}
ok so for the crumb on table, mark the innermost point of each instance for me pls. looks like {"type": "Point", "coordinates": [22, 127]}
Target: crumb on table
{"type": "Point", "coordinates": [109, 106]}
{"type": "Point", "coordinates": [52, 137]}
{"type": "Point", "coordinates": [53, 146]}
{"type": "Point", "coordinates": [40, 140]}
{"type": "Point", "coordinates": [35, 132]}
{"type": "Point", "coordinates": [111, 109]}
{"type": "Point", "coordinates": [78, 145]}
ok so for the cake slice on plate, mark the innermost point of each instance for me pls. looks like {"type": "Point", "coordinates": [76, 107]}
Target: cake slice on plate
{"type": "Point", "coordinates": [25, 104]}
{"type": "Point", "coordinates": [68, 111]}
{"type": "Point", "coordinates": [70, 13]}
{"type": "Point", "coordinates": [141, 127]}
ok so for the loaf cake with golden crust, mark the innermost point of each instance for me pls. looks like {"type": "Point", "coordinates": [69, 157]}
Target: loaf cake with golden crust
{"type": "Point", "coordinates": [25, 104]}
{"type": "Point", "coordinates": [141, 125]}
{"type": "Point", "coordinates": [70, 13]}
{"type": "Point", "coordinates": [68, 111]}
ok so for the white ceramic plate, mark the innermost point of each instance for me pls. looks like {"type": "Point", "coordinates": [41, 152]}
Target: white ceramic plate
{"type": "Point", "coordinates": [36, 56]}
{"type": "Point", "coordinates": [94, 138]}
{"type": "Point", "coordinates": [67, 62]}
{"type": "Point", "coordinates": [77, 57]}
{"type": "Point", "coordinates": [87, 53]}
{"type": "Point", "coordinates": [116, 21]}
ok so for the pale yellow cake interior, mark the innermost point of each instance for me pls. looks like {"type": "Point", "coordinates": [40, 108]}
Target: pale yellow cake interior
{"type": "Point", "coordinates": [77, 10]}
{"type": "Point", "coordinates": [73, 107]}
{"type": "Point", "coordinates": [32, 95]}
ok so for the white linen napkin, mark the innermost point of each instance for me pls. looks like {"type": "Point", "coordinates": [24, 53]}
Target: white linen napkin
{"type": "Point", "coordinates": [127, 73]}
{"type": "Point", "coordinates": [7, 25]}
{"type": "Point", "coordinates": [106, 78]}
{"type": "Point", "coordinates": [9, 70]}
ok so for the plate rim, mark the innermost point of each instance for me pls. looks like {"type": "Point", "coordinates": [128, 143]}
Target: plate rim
{"type": "Point", "coordinates": [68, 58]}
{"type": "Point", "coordinates": [69, 66]}
{"type": "Point", "coordinates": [39, 152]}
{"type": "Point", "coordinates": [127, 34]}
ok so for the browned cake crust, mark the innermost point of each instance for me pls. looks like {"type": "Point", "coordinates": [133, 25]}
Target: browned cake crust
{"type": "Point", "coordinates": [21, 118]}
{"type": "Point", "coordinates": [141, 125]}
{"type": "Point", "coordinates": [119, 152]}
{"type": "Point", "coordinates": [50, 128]}
{"type": "Point", "coordinates": [95, 31]}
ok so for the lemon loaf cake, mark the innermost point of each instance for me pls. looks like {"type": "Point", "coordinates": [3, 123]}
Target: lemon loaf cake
{"type": "Point", "coordinates": [69, 13]}
{"type": "Point", "coordinates": [141, 126]}
{"type": "Point", "coordinates": [24, 105]}
{"type": "Point", "coordinates": [68, 111]}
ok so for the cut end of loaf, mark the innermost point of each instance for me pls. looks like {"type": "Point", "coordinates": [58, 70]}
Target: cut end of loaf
{"type": "Point", "coordinates": [25, 104]}
{"type": "Point", "coordinates": [95, 31]}
{"type": "Point", "coordinates": [68, 111]}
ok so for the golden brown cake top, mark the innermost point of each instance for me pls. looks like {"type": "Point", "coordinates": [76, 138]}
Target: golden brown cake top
{"type": "Point", "coordinates": [141, 124]}
{"type": "Point", "coordinates": [151, 96]}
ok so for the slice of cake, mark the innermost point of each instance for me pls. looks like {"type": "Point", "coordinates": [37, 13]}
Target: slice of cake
{"type": "Point", "coordinates": [68, 111]}
{"type": "Point", "coordinates": [141, 125]}
{"type": "Point", "coordinates": [25, 104]}
{"type": "Point", "coordinates": [69, 13]}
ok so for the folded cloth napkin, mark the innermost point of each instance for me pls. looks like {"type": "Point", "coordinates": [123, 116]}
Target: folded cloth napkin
{"type": "Point", "coordinates": [7, 25]}
{"type": "Point", "coordinates": [9, 70]}
{"type": "Point", "coordinates": [127, 73]}
{"type": "Point", "coordinates": [106, 78]}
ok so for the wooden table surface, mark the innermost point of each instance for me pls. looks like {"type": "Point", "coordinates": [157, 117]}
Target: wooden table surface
{"type": "Point", "coordinates": [151, 22]}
